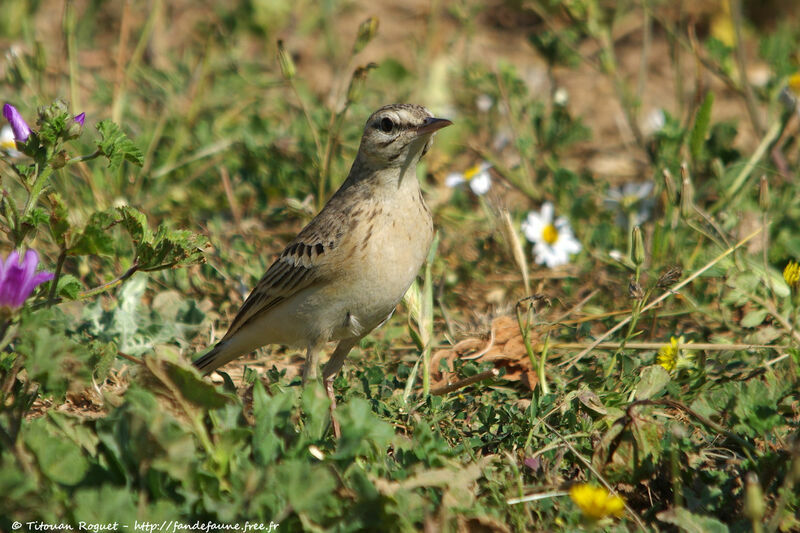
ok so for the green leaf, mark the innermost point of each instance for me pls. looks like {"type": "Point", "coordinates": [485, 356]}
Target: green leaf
{"type": "Point", "coordinates": [116, 146]}
{"type": "Point", "coordinates": [52, 359]}
{"type": "Point", "coordinates": [35, 217]}
{"type": "Point", "coordinates": [69, 287]}
{"type": "Point", "coordinates": [754, 318]}
{"type": "Point", "coordinates": [188, 384]}
{"type": "Point", "coordinates": [103, 356]}
{"type": "Point", "coordinates": [700, 130]}
{"type": "Point", "coordinates": [652, 381]}
{"type": "Point", "coordinates": [756, 407]}
{"type": "Point", "coordinates": [316, 408]}
{"type": "Point", "coordinates": [135, 222]}
{"type": "Point", "coordinates": [59, 458]}
{"type": "Point", "coordinates": [170, 248]}
{"type": "Point", "coordinates": [193, 388]}
{"type": "Point", "coordinates": [58, 222]}
{"type": "Point", "coordinates": [106, 504]}
{"type": "Point", "coordinates": [271, 413]}
{"type": "Point", "coordinates": [293, 477]}
{"type": "Point", "coordinates": [362, 431]}
{"type": "Point", "coordinates": [95, 238]}
{"type": "Point", "coordinates": [690, 522]}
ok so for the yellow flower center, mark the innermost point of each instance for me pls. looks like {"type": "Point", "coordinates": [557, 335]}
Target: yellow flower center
{"type": "Point", "coordinates": [794, 82]}
{"type": "Point", "coordinates": [792, 275]}
{"type": "Point", "coordinates": [550, 234]}
{"type": "Point", "coordinates": [8, 144]}
{"type": "Point", "coordinates": [472, 172]}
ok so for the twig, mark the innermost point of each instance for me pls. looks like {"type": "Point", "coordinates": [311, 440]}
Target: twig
{"type": "Point", "coordinates": [681, 346]}
{"type": "Point", "coordinates": [537, 497]}
{"type": "Point", "coordinates": [575, 308]}
{"type": "Point", "coordinates": [226, 184]}
{"type": "Point", "coordinates": [485, 349]}
{"type": "Point", "coordinates": [466, 382]}
{"type": "Point", "coordinates": [130, 358]}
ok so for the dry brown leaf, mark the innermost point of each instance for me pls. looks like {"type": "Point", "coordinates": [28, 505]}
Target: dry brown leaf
{"type": "Point", "coordinates": [503, 346]}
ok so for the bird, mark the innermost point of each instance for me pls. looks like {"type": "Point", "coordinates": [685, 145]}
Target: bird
{"type": "Point", "coordinates": [345, 272]}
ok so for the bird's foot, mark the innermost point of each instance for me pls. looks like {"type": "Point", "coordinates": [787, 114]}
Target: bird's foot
{"type": "Point", "coordinates": [337, 431]}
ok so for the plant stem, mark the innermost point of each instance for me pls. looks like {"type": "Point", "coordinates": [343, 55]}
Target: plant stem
{"type": "Point", "coordinates": [56, 275]}
{"type": "Point", "coordinates": [36, 190]}
{"type": "Point", "coordinates": [111, 284]}
{"type": "Point", "coordinates": [747, 90]}
{"type": "Point", "coordinates": [87, 157]}
{"type": "Point", "coordinates": [72, 55]}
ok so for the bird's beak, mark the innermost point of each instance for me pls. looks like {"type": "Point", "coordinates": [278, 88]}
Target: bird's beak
{"type": "Point", "coordinates": [433, 124]}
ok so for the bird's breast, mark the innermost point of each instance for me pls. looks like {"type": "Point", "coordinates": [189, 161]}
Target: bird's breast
{"type": "Point", "coordinates": [389, 245]}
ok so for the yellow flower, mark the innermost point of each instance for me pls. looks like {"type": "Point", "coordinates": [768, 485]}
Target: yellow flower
{"type": "Point", "coordinates": [794, 82]}
{"type": "Point", "coordinates": [672, 356]}
{"type": "Point", "coordinates": [792, 275]}
{"type": "Point", "coordinates": [722, 26]}
{"type": "Point", "coordinates": [596, 502]}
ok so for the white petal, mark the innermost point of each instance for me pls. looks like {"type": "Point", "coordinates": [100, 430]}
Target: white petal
{"type": "Point", "coordinates": [547, 212]}
{"type": "Point", "coordinates": [454, 179]}
{"type": "Point", "coordinates": [654, 121]}
{"type": "Point", "coordinates": [645, 189]}
{"type": "Point", "coordinates": [561, 223]}
{"type": "Point", "coordinates": [561, 97]}
{"type": "Point", "coordinates": [484, 102]}
{"type": "Point", "coordinates": [7, 142]}
{"type": "Point", "coordinates": [481, 183]}
{"type": "Point", "coordinates": [6, 134]}
{"type": "Point", "coordinates": [616, 255]}
{"type": "Point", "coordinates": [533, 226]}
{"type": "Point", "coordinates": [569, 244]}
{"type": "Point", "coordinates": [549, 256]}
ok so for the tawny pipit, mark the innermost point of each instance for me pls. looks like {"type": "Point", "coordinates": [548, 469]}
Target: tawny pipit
{"type": "Point", "coordinates": [345, 272]}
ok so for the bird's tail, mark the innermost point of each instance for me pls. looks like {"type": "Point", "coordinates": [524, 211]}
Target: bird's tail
{"type": "Point", "coordinates": [214, 359]}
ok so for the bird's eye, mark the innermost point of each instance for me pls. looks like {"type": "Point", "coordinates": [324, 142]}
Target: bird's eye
{"type": "Point", "coordinates": [386, 125]}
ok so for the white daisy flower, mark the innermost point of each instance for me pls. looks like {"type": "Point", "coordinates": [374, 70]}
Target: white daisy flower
{"type": "Point", "coordinates": [7, 142]}
{"type": "Point", "coordinates": [553, 240]}
{"type": "Point", "coordinates": [654, 121]}
{"type": "Point", "coordinates": [484, 102]}
{"type": "Point", "coordinates": [632, 202]}
{"type": "Point", "coordinates": [478, 177]}
{"type": "Point", "coordinates": [561, 97]}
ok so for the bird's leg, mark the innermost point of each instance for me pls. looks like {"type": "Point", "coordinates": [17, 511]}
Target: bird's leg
{"type": "Point", "coordinates": [337, 358]}
{"type": "Point", "coordinates": [332, 367]}
{"type": "Point", "coordinates": [311, 368]}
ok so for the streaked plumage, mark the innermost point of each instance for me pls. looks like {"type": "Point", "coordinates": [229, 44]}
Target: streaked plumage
{"type": "Point", "coordinates": [345, 272]}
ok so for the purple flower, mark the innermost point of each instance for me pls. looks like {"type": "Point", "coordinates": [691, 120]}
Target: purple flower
{"type": "Point", "coordinates": [18, 124]}
{"type": "Point", "coordinates": [17, 281]}
{"type": "Point", "coordinates": [80, 118]}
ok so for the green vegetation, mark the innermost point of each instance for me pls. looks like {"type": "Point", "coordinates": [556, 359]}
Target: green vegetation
{"type": "Point", "coordinates": [647, 342]}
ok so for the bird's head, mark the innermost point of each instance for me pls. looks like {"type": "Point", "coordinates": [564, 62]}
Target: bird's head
{"type": "Point", "coordinates": [398, 135]}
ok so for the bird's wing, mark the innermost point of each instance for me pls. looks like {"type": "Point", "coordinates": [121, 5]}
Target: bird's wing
{"type": "Point", "coordinates": [297, 268]}
{"type": "Point", "coordinates": [306, 260]}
